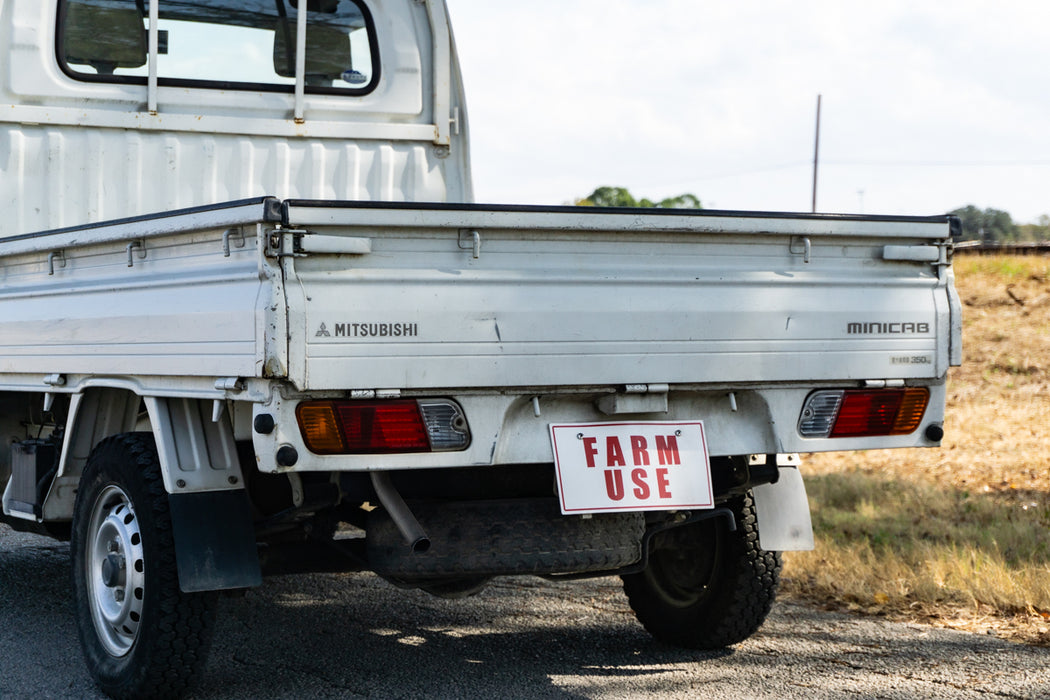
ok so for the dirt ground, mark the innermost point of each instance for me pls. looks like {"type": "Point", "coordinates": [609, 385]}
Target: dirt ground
{"type": "Point", "coordinates": [997, 432]}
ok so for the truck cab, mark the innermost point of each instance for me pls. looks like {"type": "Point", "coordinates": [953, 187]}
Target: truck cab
{"type": "Point", "coordinates": [109, 117]}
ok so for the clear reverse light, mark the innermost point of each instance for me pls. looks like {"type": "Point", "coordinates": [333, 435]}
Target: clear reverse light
{"type": "Point", "coordinates": [819, 414]}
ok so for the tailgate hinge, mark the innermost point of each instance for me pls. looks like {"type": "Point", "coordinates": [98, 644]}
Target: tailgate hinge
{"type": "Point", "coordinates": [636, 398]}
{"type": "Point", "coordinates": [375, 393]}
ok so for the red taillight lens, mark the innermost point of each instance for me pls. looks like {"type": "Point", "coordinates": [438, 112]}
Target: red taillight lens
{"type": "Point", "coordinates": [863, 413]}
{"type": "Point", "coordinates": [388, 426]}
{"type": "Point", "coordinates": [866, 413]}
{"type": "Point", "coordinates": [362, 427]}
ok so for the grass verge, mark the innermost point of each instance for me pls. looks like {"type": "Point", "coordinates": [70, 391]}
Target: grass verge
{"type": "Point", "coordinates": [911, 550]}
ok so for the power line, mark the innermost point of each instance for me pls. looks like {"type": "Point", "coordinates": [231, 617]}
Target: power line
{"type": "Point", "coordinates": [760, 170]}
{"type": "Point", "coordinates": [740, 173]}
{"type": "Point", "coordinates": [940, 163]}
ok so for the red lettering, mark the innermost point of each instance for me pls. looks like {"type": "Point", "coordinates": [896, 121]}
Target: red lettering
{"type": "Point", "coordinates": [662, 486]}
{"type": "Point", "coordinates": [589, 450]}
{"type": "Point", "coordinates": [613, 452]}
{"type": "Point", "coordinates": [638, 449]}
{"type": "Point", "coordinates": [667, 449]}
{"type": "Point", "coordinates": [614, 483]}
{"type": "Point", "coordinates": [641, 491]}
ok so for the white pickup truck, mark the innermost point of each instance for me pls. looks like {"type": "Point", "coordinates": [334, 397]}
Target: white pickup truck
{"type": "Point", "coordinates": [251, 323]}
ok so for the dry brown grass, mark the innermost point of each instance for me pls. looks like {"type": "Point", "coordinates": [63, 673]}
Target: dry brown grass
{"type": "Point", "coordinates": [956, 536]}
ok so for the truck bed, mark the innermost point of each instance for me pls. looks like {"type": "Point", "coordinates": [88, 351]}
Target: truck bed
{"type": "Point", "coordinates": [447, 296]}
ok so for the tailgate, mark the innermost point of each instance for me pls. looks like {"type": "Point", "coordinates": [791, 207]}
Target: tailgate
{"type": "Point", "coordinates": [385, 296]}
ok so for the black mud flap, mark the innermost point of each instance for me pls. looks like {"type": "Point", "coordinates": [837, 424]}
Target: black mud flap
{"type": "Point", "coordinates": [214, 541]}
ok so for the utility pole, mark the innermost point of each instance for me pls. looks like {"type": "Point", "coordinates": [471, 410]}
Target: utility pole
{"type": "Point", "coordinates": [816, 157]}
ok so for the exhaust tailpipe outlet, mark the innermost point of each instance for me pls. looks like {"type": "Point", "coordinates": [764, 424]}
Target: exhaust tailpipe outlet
{"type": "Point", "coordinates": [400, 513]}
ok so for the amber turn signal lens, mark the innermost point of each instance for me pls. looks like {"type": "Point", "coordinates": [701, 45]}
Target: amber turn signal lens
{"type": "Point", "coordinates": [911, 411]}
{"type": "Point", "coordinates": [320, 428]}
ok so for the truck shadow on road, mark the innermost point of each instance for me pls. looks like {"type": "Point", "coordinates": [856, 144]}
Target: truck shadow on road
{"type": "Point", "coordinates": [357, 635]}
{"type": "Point", "coordinates": [353, 635]}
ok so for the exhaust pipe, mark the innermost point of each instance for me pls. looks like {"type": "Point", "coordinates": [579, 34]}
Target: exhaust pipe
{"type": "Point", "coordinates": [406, 523]}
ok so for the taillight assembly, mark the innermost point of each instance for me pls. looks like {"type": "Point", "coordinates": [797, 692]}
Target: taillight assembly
{"type": "Point", "coordinates": [863, 412]}
{"type": "Point", "coordinates": [382, 427]}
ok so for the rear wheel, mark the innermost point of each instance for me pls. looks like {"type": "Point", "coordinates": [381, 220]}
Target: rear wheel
{"type": "Point", "coordinates": [706, 587]}
{"type": "Point", "coordinates": [141, 635]}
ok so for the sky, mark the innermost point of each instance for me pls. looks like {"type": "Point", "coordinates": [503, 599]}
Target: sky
{"type": "Point", "coordinates": [926, 106]}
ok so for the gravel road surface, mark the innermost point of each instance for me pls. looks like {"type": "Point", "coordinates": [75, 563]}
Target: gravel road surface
{"type": "Point", "coordinates": [354, 635]}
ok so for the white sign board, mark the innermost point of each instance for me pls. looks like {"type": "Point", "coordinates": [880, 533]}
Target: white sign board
{"type": "Point", "coordinates": [636, 466]}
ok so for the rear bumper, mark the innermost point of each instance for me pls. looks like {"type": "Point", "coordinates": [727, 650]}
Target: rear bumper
{"type": "Point", "coordinates": [513, 428]}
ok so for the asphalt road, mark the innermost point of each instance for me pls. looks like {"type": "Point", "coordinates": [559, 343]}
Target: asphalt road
{"type": "Point", "coordinates": [348, 636]}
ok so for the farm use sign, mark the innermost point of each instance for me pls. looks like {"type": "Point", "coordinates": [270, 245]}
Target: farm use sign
{"type": "Point", "coordinates": [636, 466]}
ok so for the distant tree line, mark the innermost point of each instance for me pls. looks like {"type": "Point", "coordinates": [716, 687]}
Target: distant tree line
{"type": "Point", "coordinates": [987, 225]}
{"type": "Point", "coordinates": [996, 226]}
{"type": "Point", "coordinates": [620, 197]}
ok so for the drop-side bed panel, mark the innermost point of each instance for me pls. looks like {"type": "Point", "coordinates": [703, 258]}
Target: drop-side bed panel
{"type": "Point", "coordinates": [177, 294]}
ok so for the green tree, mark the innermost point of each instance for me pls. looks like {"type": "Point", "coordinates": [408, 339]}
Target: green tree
{"type": "Point", "coordinates": [1038, 231]}
{"type": "Point", "coordinates": [988, 225]}
{"type": "Point", "coordinates": [682, 201]}
{"type": "Point", "coordinates": [621, 197]}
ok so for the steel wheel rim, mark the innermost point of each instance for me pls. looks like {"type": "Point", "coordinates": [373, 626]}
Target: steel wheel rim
{"type": "Point", "coordinates": [115, 570]}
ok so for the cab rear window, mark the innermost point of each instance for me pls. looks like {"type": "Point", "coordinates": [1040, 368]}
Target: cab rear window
{"type": "Point", "coordinates": [232, 44]}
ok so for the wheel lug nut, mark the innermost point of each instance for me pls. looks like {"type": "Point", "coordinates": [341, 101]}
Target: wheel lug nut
{"type": "Point", "coordinates": [118, 595]}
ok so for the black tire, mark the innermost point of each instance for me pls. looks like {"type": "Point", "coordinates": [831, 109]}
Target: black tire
{"type": "Point", "coordinates": [706, 587]}
{"type": "Point", "coordinates": [141, 636]}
